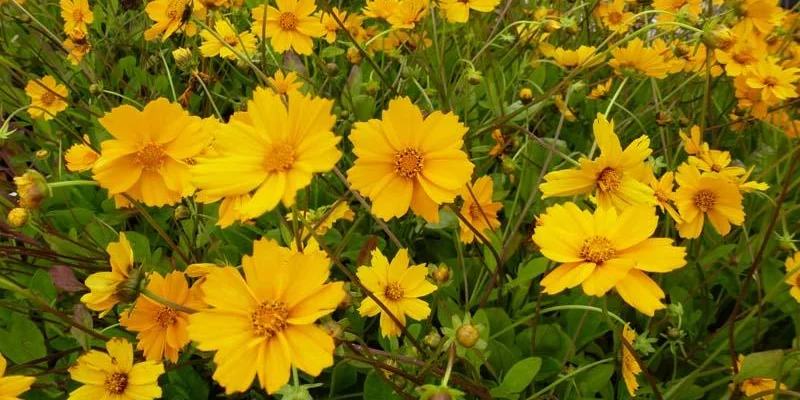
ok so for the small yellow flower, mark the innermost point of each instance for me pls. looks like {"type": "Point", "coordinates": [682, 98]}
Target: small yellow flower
{"type": "Point", "coordinates": [331, 25]}
{"type": "Point", "coordinates": [170, 16]}
{"type": "Point", "coordinates": [458, 10]}
{"type": "Point", "coordinates": [113, 374]}
{"type": "Point", "coordinates": [691, 8]}
{"type": "Point", "coordinates": [77, 43]}
{"type": "Point", "coordinates": [583, 56]}
{"type": "Point", "coordinates": [613, 15]}
{"type": "Point", "coordinates": [77, 15]}
{"type": "Point", "coordinates": [408, 13]}
{"type": "Point", "coordinates": [630, 368]}
{"type": "Point", "coordinates": [103, 286]}
{"type": "Point", "coordinates": [563, 108]}
{"type": "Point", "coordinates": [381, 9]}
{"type": "Point", "coordinates": [398, 286]}
{"type": "Point", "coordinates": [761, 16]}
{"type": "Point", "coordinates": [792, 265]}
{"type": "Point", "coordinates": [478, 209]}
{"type": "Point", "coordinates": [289, 26]}
{"type": "Point", "coordinates": [745, 52]}
{"type": "Point", "coordinates": [693, 144]}
{"type": "Point", "coordinates": [664, 194]}
{"type": "Point", "coordinates": [709, 194]}
{"type": "Point", "coordinates": [601, 90]}
{"type": "Point", "coordinates": [635, 58]}
{"type": "Point", "coordinates": [754, 385]}
{"type": "Point", "coordinates": [775, 82]}
{"type": "Point", "coordinates": [182, 55]}
{"type": "Point", "coordinates": [48, 97]}
{"type": "Point", "coordinates": [80, 157]}
{"type": "Point", "coordinates": [11, 386]}
{"type": "Point", "coordinates": [241, 44]}
{"type": "Point", "coordinates": [284, 84]}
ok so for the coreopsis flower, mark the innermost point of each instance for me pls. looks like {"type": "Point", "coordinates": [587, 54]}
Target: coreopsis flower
{"type": "Point", "coordinates": [405, 160]}
{"type": "Point", "coordinates": [148, 157]}
{"type": "Point", "coordinates": [77, 15]}
{"type": "Point", "coordinates": [11, 386]}
{"type": "Point", "coordinates": [749, 99]}
{"type": "Point", "coordinates": [103, 286]}
{"type": "Point", "coordinates": [754, 385]}
{"type": "Point", "coordinates": [284, 84]}
{"type": "Point", "coordinates": [114, 375]}
{"type": "Point", "coordinates": [32, 189]}
{"type": "Point", "coordinates": [80, 157]}
{"type": "Point", "coordinates": [161, 329]}
{"type": "Point", "coordinates": [398, 286]}
{"type": "Point", "coordinates": [263, 323]}
{"type": "Point", "coordinates": [381, 9]}
{"type": "Point", "coordinates": [48, 97]}
{"type": "Point", "coordinates": [168, 16]}
{"type": "Point", "coordinates": [273, 149]}
{"type": "Point", "coordinates": [583, 56]}
{"type": "Point", "coordinates": [635, 58]}
{"type": "Point", "coordinates": [792, 266]}
{"type": "Point", "coordinates": [716, 161]}
{"type": "Point", "coordinates": [458, 10]}
{"type": "Point", "coordinates": [664, 193]}
{"type": "Point", "coordinates": [706, 195]}
{"type": "Point", "coordinates": [77, 44]}
{"type": "Point", "coordinates": [563, 108]}
{"type": "Point", "coordinates": [408, 13]}
{"type": "Point", "coordinates": [630, 368]}
{"type": "Point", "coordinates": [612, 176]}
{"type": "Point", "coordinates": [613, 15]}
{"type": "Point", "coordinates": [775, 82]}
{"type": "Point", "coordinates": [601, 90]}
{"type": "Point", "coordinates": [501, 143]}
{"type": "Point", "coordinates": [693, 144]}
{"type": "Point", "coordinates": [478, 209]}
{"type": "Point", "coordinates": [241, 43]}
{"type": "Point", "coordinates": [323, 218]}
{"type": "Point", "coordinates": [761, 16]}
{"type": "Point", "coordinates": [289, 26]}
{"type": "Point", "coordinates": [745, 52]}
{"type": "Point", "coordinates": [605, 250]}
{"type": "Point", "coordinates": [330, 24]}
{"type": "Point", "coordinates": [182, 56]}
{"type": "Point", "coordinates": [691, 8]}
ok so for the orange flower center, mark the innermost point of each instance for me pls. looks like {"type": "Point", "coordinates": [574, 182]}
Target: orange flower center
{"type": "Point", "coordinates": [166, 316]}
{"type": "Point", "coordinates": [287, 21]}
{"type": "Point", "coordinates": [771, 81]}
{"type": "Point", "coordinates": [716, 167]}
{"type": "Point", "coordinates": [704, 199]}
{"type": "Point", "coordinates": [609, 179]}
{"type": "Point", "coordinates": [475, 212]}
{"type": "Point", "coordinates": [48, 98]}
{"type": "Point", "coordinates": [614, 17]}
{"type": "Point", "coordinates": [743, 58]}
{"type": "Point", "coordinates": [116, 383]}
{"type": "Point", "coordinates": [660, 196]}
{"type": "Point", "coordinates": [597, 249]}
{"type": "Point", "coordinates": [77, 15]}
{"type": "Point", "coordinates": [151, 156]}
{"type": "Point", "coordinates": [231, 40]}
{"type": "Point", "coordinates": [408, 163]}
{"type": "Point", "coordinates": [281, 158]}
{"type": "Point", "coordinates": [269, 318]}
{"type": "Point", "coordinates": [797, 281]}
{"type": "Point", "coordinates": [393, 291]}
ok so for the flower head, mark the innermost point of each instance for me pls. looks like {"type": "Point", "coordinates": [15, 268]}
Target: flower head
{"type": "Point", "coordinates": [80, 157]}
{"type": "Point", "coordinates": [77, 44]}
{"type": "Point", "coordinates": [583, 56]}
{"type": "Point", "coordinates": [754, 385]}
{"type": "Point", "coordinates": [77, 15]}
{"type": "Point", "coordinates": [32, 189]}
{"type": "Point", "coordinates": [48, 97]}
{"type": "Point", "coordinates": [613, 15]}
{"type": "Point", "coordinates": [289, 26]}
{"type": "Point", "coordinates": [775, 82]}
{"type": "Point", "coordinates": [630, 368]}
{"type": "Point", "coordinates": [241, 44]}
{"type": "Point", "coordinates": [381, 9]}
{"type": "Point", "coordinates": [663, 191]}
{"type": "Point", "coordinates": [635, 58]}
{"type": "Point", "coordinates": [11, 386]}
{"type": "Point", "coordinates": [458, 10]}
{"type": "Point", "coordinates": [408, 13]}
{"type": "Point", "coordinates": [792, 265]}
{"type": "Point", "coordinates": [709, 195]}
{"type": "Point", "coordinates": [605, 250]}
{"type": "Point", "coordinates": [263, 323]}
{"type": "Point", "coordinates": [284, 84]}
{"type": "Point", "coordinates": [398, 286]}
{"type": "Point", "coordinates": [405, 160]}
{"type": "Point", "coordinates": [478, 209]}
{"type": "Point", "coordinates": [113, 374]}
{"type": "Point", "coordinates": [601, 90]}
{"type": "Point", "coordinates": [171, 16]}
{"type": "Point", "coordinates": [104, 286]}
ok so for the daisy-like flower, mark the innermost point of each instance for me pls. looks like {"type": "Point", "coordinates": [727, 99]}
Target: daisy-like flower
{"type": "Point", "coordinates": [322, 218]}
{"type": "Point", "coordinates": [664, 193]}
{"type": "Point", "coordinates": [285, 84]}
{"type": "Point", "coordinates": [48, 97]}
{"type": "Point", "coordinates": [11, 386]}
{"type": "Point", "coordinates": [754, 385]}
{"type": "Point", "coordinates": [331, 26]}
{"type": "Point", "coordinates": [716, 161]}
{"type": "Point", "coordinates": [745, 52]}
{"type": "Point", "coordinates": [263, 324]}
{"type": "Point", "coordinates": [478, 209]}
{"type": "Point", "coordinates": [775, 82]}
{"type": "Point", "coordinates": [113, 374]}
{"type": "Point", "coordinates": [170, 16]}
{"type": "Point", "coordinates": [583, 56]}
{"type": "Point", "coordinates": [792, 266]}
{"type": "Point", "coordinates": [606, 250]}
{"type": "Point", "coordinates": [77, 15]}
{"type": "Point", "coordinates": [630, 368]}
{"type": "Point", "coordinates": [408, 13]}
{"type": "Point", "coordinates": [103, 286]}
{"type": "Point", "coordinates": [637, 59]}
{"type": "Point", "coordinates": [691, 8]}
{"type": "Point", "coordinates": [398, 286]}
{"type": "Point", "coordinates": [290, 26]}
{"type": "Point", "coordinates": [612, 176]}
{"type": "Point", "coordinates": [272, 149]}
{"type": "Point", "coordinates": [405, 160]}
{"type": "Point", "coordinates": [241, 44]}
{"type": "Point", "coordinates": [77, 43]}
{"type": "Point", "coordinates": [458, 10]}
{"type": "Point", "coordinates": [80, 157]}
{"type": "Point", "coordinates": [381, 9]}
{"type": "Point", "coordinates": [693, 144]}
{"type": "Point", "coordinates": [148, 158]}
{"type": "Point", "coordinates": [613, 15]}
{"type": "Point", "coordinates": [161, 329]}
{"type": "Point", "coordinates": [601, 90]}
{"type": "Point", "coordinates": [761, 16]}
{"type": "Point", "coordinates": [709, 194]}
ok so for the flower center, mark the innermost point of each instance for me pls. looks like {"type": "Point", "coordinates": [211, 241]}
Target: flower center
{"type": "Point", "coordinates": [475, 212]}
{"type": "Point", "coordinates": [609, 179]}
{"type": "Point", "coordinates": [166, 316]}
{"type": "Point", "coordinates": [151, 156]}
{"type": "Point", "coordinates": [705, 200]}
{"type": "Point", "coordinates": [716, 167]}
{"type": "Point", "coordinates": [771, 81]}
{"type": "Point", "coordinates": [48, 98]}
{"type": "Point", "coordinates": [614, 17]}
{"type": "Point", "coordinates": [116, 383]}
{"type": "Point", "coordinates": [231, 40]}
{"type": "Point", "coordinates": [77, 15]}
{"type": "Point", "coordinates": [393, 291]}
{"type": "Point", "coordinates": [281, 158]}
{"type": "Point", "coordinates": [408, 163]}
{"type": "Point", "coordinates": [175, 9]}
{"type": "Point", "coordinates": [287, 21]}
{"type": "Point", "coordinates": [597, 249]}
{"type": "Point", "coordinates": [269, 318]}
{"type": "Point", "coordinates": [743, 58]}
{"type": "Point", "coordinates": [660, 196]}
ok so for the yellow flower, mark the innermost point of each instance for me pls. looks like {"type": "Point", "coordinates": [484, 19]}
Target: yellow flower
{"type": "Point", "coordinates": [761, 16]}
{"type": "Point", "coordinates": [11, 386]}
{"type": "Point", "coordinates": [613, 15]}
{"type": "Point", "coordinates": [169, 16]}
{"type": "Point", "coordinates": [601, 90]}
{"type": "Point", "coordinates": [382, 9]}
{"type": "Point", "coordinates": [709, 194]}
{"type": "Point", "coordinates": [630, 368]}
{"type": "Point", "coordinates": [405, 160]}
{"type": "Point", "coordinates": [398, 287]}
{"type": "Point", "coordinates": [408, 13]}
{"type": "Point", "coordinates": [284, 84]}
{"type": "Point", "coordinates": [635, 58]}
{"type": "Point", "coordinates": [458, 10]}
{"type": "Point", "coordinates": [612, 176]}
{"type": "Point", "coordinates": [692, 9]}
{"type": "Point", "coordinates": [48, 97]}
{"type": "Point", "coordinates": [272, 149]}
{"type": "Point", "coordinates": [148, 157]}
{"type": "Point", "coordinates": [793, 275]}
{"type": "Point", "coordinates": [290, 26]}
{"type": "Point", "coordinates": [563, 108]}
{"type": "Point", "coordinates": [716, 161]}
{"type": "Point", "coordinates": [243, 43]}
{"type": "Point", "coordinates": [80, 157]}
{"type": "Point", "coordinates": [745, 52]}
{"type": "Point", "coordinates": [606, 250]}
{"type": "Point", "coordinates": [32, 189]}
{"type": "Point", "coordinates": [103, 286]}
{"type": "Point", "coordinates": [750, 100]}
{"type": "Point", "coordinates": [182, 56]}
{"type": "Point", "coordinates": [17, 218]}
{"type": "Point", "coordinates": [694, 144]}
{"type": "Point", "coordinates": [583, 56]}
{"type": "Point", "coordinates": [78, 46]}
{"type": "Point", "coordinates": [755, 385]}
{"type": "Point", "coordinates": [264, 323]}
{"type": "Point", "coordinates": [77, 15]}
{"type": "Point", "coordinates": [664, 194]}
{"type": "Point", "coordinates": [161, 329]}
{"type": "Point", "coordinates": [478, 209]}
{"type": "Point", "coordinates": [113, 375]}
{"type": "Point", "coordinates": [500, 143]}
{"type": "Point", "coordinates": [775, 83]}
{"type": "Point", "coordinates": [746, 186]}
{"type": "Point", "coordinates": [331, 26]}
{"type": "Point", "coordinates": [322, 218]}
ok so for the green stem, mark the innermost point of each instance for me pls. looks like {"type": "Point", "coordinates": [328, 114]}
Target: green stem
{"type": "Point", "coordinates": [552, 309]}
{"type": "Point", "coordinates": [568, 376]}
{"type": "Point", "coordinates": [169, 303]}
{"type": "Point", "coordinates": [73, 183]}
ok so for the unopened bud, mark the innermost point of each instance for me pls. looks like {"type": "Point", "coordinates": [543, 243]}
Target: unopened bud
{"type": "Point", "coordinates": [663, 118]}
{"type": "Point", "coordinates": [372, 88]}
{"type": "Point", "coordinates": [441, 274]}
{"type": "Point", "coordinates": [353, 55]}
{"type": "Point", "coordinates": [42, 154]}
{"type": "Point", "coordinates": [334, 329]}
{"type": "Point", "coordinates": [17, 217]}
{"type": "Point", "coordinates": [182, 212]}
{"type": "Point", "coordinates": [525, 95]}
{"type": "Point", "coordinates": [331, 69]}
{"type": "Point", "coordinates": [468, 335]}
{"type": "Point", "coordinates": [129, 289]}
{"type": "Point", "coordinates": [432, 339]}
{"type": "Point", "coordinates": [182, 56]}
{"type": "Point", "coordinates": [718, 38]}
{"type": "Point", "coordinates": [474, 77]}
{"type": "Point", "coordinates": [32, 189]}
{"type": "Point", "coordinates": [95, 89]}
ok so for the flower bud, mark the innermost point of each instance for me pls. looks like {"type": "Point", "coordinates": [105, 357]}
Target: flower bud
{"type": "Point", "coordinates": [334, 329]}
{"type": "Point", "coordinates": [673, 333]}
{"type": "Point", "coordinates": [353, 55]}
{"type": "Point", "coordinates": [42, 154]}
{"type": "Point", "coordinates": [129, 289]}
{"type": "Point", "coordinates": [372, 87]}
{"type": "Point", "coordinates": [468, 335]}
{"type": "Point", "coordinates": [719, 38]}
{"type": "Point", "coordinates": [551, 25]}
{"type": "Point", "coordinates": [441, 274]}
{"type": "Point", "coordinates": [432, 339]}
{"type": "Point", "coordinates": [331, 69]}
{"type": "Point", "coordinates": [95, 89]}
{"type": "Point", "coordinates": [32, 189]}
{"type": "Point", "coordinates": [663, 118]}
{"type": "Point", "coordinates": [346, 302]}
{"type": "Point", "coordinates": [182, 56]}
{"type": "Point", "coordinates": [525, 95]}
{"type": "Point", "coordinates": [17, 217]}
{"type": "Point", "coordinates": [182, 212]}
{"type": "Point", "coordinates": [474, 77]}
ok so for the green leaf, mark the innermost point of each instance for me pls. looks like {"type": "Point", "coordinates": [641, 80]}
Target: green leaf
{"type": "Point", "coordinates": [764, 364]}
{"type": "Point", "coordinates": [22, 341]}
{"type": "Point", "coordinates": [42, 284]}
{"type": "Point", "coordinates": [331, 52]}
{"type": "Point", "coordinates": [82, 317]}
{"type": "Point", "coordinates": [376, 388]}
{"type": "Point", "coordinates": [521, 375]}
{"type": "Point", "coordinates": [185, 383]}
{"type": "Point", "coordinates": [716, 254]}
{"type": "Point", "coordinates": [140, 245]}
